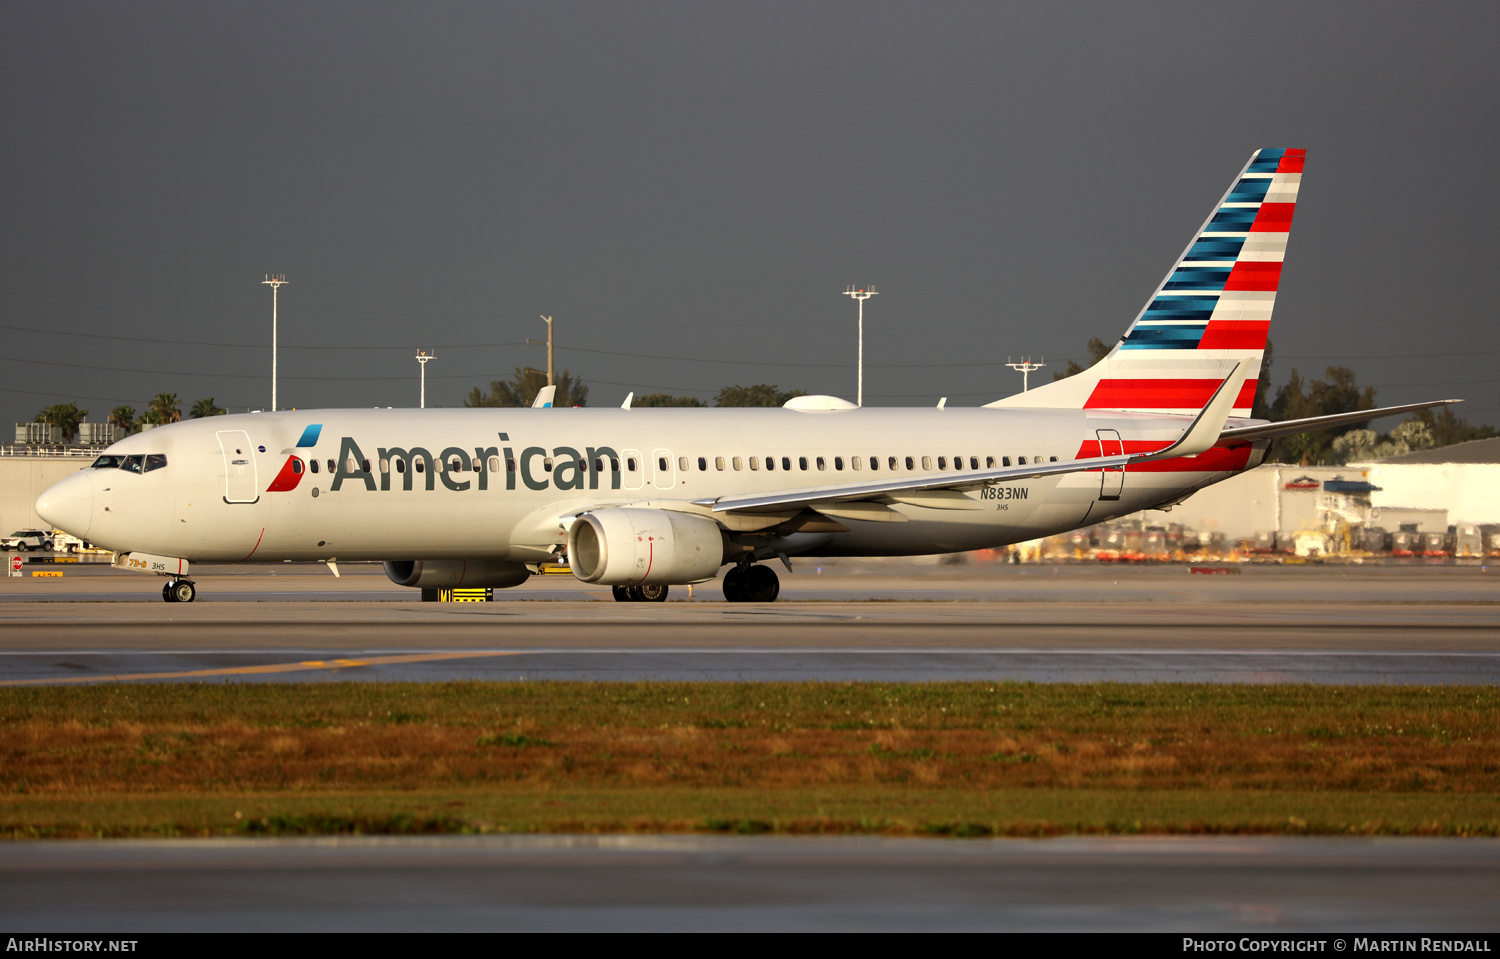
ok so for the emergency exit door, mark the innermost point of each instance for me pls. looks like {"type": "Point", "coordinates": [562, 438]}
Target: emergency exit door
{"type": "Point", "coordinates": [240, 482]}
{"type": "Point", "coordinates": [1111, 481]}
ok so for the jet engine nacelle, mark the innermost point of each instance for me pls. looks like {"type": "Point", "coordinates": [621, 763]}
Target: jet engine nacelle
{"type": "Point", "coordinates": [632, 547]}
{"type": "Point", "coordinates": [455, 573]}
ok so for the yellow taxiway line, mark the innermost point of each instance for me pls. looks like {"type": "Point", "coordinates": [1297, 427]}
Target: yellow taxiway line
{"type": "Point", "coordinates": [262, 670]}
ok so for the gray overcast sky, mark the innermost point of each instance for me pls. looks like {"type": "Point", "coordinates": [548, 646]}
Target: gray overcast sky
{"type": "Point", "coordinates": [695, 184]}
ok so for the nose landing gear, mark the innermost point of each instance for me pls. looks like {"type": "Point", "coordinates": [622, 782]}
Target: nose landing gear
{"type": "Point", "coordinates": [179, 591]}
{"type": "Point", "coordinates": [751, 584]}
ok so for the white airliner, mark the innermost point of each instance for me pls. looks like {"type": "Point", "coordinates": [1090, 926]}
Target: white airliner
{"type": "Point", "coordinates": [644, 499]}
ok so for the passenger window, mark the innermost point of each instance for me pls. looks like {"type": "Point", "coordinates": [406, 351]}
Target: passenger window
{"type": "Point", "coordinates": [547, 464]}
{"type": "Point", "coordinates": [510, 464]}
{"type": "Point", "coordinates": [614, 465]}
{"type": "Point", "coordinates": [838, 462]}
{"type": "Point", "coordinates": [494, 464]}
{"type": "Point", "coordinates": [719, 462]}
{"type": "Point", "coordinates": [942, 463]}
{"type": "Point", "coordinates": [629, 464]}
{"type": "Point", "coordinates": [703, 464]}
{"type": "Point", "coordinates": [874, 462]}
{"type": "Point", "coordinates": [599, 465]}
{"type": "Point", "coordinates": [400, 466]}
{"type": "Point", "coordinates": [661, 463]}
{"type": "Point", "coordinates": [296, 466]}
{"type": "Point", "coordinates": [478, 465]}
{"type": "Point", "coordinates": [958, 462]}
{"type": "Point", "coordinates": [155, 461]}
{"type": "Point", "coordinates": [770, 462]}
{"type": "Point", "coordinates": [364, 466]}
{"type": "Point", "coordinates": [755, 462]}
{"type": "Point", "coordinates": [385, 465]}
{"type": "Point", "coordinates": [973, 462]}
{"type": "Point", "coordinates": [786, 463]}
{"type": "Point", "coordinates": [313, 465]}
{"type": "Point", "coordinates": [682, 463]}
{"type": "Point", "coordinates": [1005, 460]}
{"type": "Point", "coordinates": [910, 463]}
{"type": "Point", "coordinates": [821, 464]}
{"type": "Point", "coordinates": [989, 462]}
{"type": "Point", "coordinates": [927, 462]}
{"type": "Point", "coordinates": [131, 464]}
{"type": "Point", "coordinates": [1052, 459]}
{"type": "Point", "coordinates": [419, 465]}
{"type": "Point", "coordinates": [455, 465]}
{"type": "Point", "coordinates": [1020, 461]}
{"type": "Point", "coordinates": [738, 465]}
{"type": "Point", "coordinates": [333, 467]}
{"type": "Point", "coordinates": [853, 462]}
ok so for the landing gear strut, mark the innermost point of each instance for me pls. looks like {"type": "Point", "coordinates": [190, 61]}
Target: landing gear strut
{"type": "Point", "coordinates": [179, 591]}
{"type": "Point", "coordinates": [640, 594]}
{"type": "Point", "coordinates": [751, 584]}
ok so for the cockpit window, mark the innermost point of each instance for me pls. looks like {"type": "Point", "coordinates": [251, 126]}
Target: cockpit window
{"type": "Point", "coordinates": [107, 462]}
{"type": "Point", "coordinates": [131, 464]}
{"type": "Point", "coordinates": [155, 461]}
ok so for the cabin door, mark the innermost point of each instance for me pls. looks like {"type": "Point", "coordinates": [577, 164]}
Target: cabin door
{"type": "Point", "coordinates": [240, 484]}
{"type": "Point", "coordinates": [1111, 481]}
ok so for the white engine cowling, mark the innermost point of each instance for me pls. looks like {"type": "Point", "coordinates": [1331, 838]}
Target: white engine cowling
{"type": "Point", "coordinates": [632, 547]}
{"type": "Point", "coordinates": [456, 573]}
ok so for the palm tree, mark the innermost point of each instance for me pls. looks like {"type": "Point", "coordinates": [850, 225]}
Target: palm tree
{"type": "Point", "coordinates": [64, 416]}
{"type": "Point", "coordinates": [123, 417]}
{"type": "Point", "coordinates": [163, 409]}
{"type": "Point", "coordinates": [204, 408]}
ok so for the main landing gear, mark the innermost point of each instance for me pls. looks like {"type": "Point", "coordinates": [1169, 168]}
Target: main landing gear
{"type": "Point", "coordinates": [179, 591]}
{"type": "Point", "coordinates": [639, 594]}
{"type": "Point", "coordinates": [751, 584]}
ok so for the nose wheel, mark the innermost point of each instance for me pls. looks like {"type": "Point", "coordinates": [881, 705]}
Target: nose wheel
{"type": "Point", "coordinates": [179, 591]}
{"type": "Point", "coordinates": [751, 584]}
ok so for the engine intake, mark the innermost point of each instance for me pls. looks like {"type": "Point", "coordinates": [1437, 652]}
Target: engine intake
{"type": "Point", "coordinates": [456, 573]}
{"type": "Point", "coordinates": [631, 547]}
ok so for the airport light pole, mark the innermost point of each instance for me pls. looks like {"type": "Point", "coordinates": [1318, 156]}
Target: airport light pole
{"type": "Point", "coordinates": [1026, 367]}
{"type": "Point", "coordinates": [861, 295]}
{"type": "Point", "coordinates": [548, 319]}
{"type": "Point", "coordinates": [275, 283]}
{"type": "Point", "coordinates": [422, 357]}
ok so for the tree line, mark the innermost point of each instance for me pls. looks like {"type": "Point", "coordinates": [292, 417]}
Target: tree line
{"type": "Point", "coordinates": [521, 388]}
{"type": "Point", "coordinates": [162, 409]}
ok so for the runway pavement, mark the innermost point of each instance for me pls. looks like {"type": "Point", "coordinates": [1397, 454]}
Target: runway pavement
{"type": "Point", "coordinates": [1270, 886]}
{"type": "Point", "coordinates": [838, 621]}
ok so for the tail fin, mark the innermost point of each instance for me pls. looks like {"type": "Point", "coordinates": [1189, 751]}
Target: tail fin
{"type": "Point", "coordinates": [1211, 312]}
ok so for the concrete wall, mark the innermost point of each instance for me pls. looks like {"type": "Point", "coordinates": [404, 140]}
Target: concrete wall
{"type": "Point", "coordinates": [22, 480]}
{"type": "Point", "coordinates": [1255, 501]}
{"type": "Point", "coordinates": [1470, 492]}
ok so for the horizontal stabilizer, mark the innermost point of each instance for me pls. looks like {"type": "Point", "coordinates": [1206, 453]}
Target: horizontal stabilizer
{"type": "Point", "coordinates": [1268, 431]}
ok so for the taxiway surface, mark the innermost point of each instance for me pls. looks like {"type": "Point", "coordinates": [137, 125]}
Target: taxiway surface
{"type": "Point", "coordinates": [839, 621]}
{"type": "Point", "coordinates": [640, 883]}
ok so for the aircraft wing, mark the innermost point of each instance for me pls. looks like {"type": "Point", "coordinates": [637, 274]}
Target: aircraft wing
{"type": "Point", "coordinates": [1266, 431]}
{"type": "Point", "coordinates": [1200, 436]}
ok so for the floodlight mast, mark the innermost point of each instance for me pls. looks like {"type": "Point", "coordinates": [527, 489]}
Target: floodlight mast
{"type": "Point", "coordinates": [1026, 367]}
{"type": "Point", "coordinates": [275, 283]}
{"type": "Point", "coordinates": [860, 296]}
{"type": "Point", "coordinates": [422, 357]}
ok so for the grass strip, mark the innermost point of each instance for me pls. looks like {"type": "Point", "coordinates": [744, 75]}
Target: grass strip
{"type": "Point", "coordinates": [959, 759]}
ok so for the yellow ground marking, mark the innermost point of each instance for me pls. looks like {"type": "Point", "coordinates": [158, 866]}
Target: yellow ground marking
{"type": "Point", "coordinates": [262, 670]}
{"type": "Point", "coordinates": [46, 573]}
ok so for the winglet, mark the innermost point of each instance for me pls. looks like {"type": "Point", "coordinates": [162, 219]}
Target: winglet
{"type": "Point", "coordinates": [1204, 431]}
{"type": "Point", "coordinates": [629, 398]}
{"type": "Point", "coordinates": [544, 398]}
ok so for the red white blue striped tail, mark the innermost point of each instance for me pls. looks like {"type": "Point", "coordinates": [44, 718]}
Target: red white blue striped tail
{"type": "Point", "coordinates": [1211, 311]}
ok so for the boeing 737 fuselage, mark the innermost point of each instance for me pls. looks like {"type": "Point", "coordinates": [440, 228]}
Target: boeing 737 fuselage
{"type": "Point", "coordinates": [642, 499]}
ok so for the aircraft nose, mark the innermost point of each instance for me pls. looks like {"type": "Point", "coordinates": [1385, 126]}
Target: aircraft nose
{"type": "Point", "coordinates": [69, 505]}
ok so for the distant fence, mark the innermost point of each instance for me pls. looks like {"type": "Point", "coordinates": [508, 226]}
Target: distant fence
{"type": "Point", "coordinates": [26, 449]}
